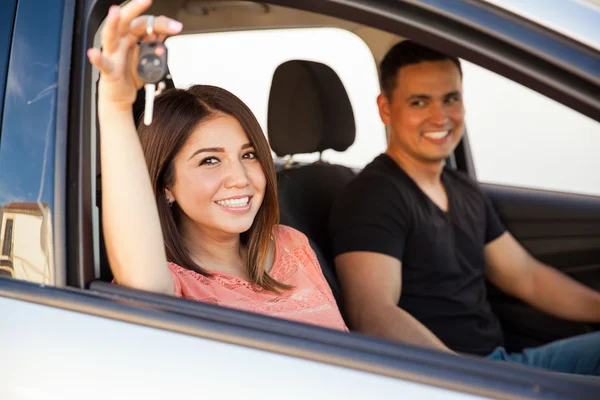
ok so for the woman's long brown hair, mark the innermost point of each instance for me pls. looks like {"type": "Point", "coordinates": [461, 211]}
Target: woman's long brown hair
{"type": "Point", "coordinates": [177, 113]}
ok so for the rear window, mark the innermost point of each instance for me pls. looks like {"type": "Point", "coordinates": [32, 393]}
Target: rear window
{"type": "Point", "coordinates": [243, 62]}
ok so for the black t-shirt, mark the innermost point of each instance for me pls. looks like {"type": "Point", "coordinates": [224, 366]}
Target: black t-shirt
{"type": "Point", "coordinates": [442, 253]}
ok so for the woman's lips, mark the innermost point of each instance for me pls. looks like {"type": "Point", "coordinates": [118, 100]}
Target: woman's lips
{"type": "Point", "coordinates": [236, 205]}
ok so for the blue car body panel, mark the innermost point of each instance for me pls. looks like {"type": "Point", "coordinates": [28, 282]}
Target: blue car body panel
{"type": "Point", "coordinates": [35, 108]}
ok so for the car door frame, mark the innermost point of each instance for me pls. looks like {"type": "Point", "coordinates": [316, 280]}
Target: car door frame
{"type": "Point", "coordinates": [7, 19]}
{"type": "Point", "coordinates": [547, 62]}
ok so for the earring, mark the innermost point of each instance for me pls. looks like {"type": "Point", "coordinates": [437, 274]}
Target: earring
{"type": "Point", "coordinates": [169, 202]}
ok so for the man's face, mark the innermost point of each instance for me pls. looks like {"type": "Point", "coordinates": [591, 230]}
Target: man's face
{"type": "Point", "coordinates": [425, 115]}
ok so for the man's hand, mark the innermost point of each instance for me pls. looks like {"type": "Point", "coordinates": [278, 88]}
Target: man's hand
{"type": "Point", "coordinates": [512, 269]}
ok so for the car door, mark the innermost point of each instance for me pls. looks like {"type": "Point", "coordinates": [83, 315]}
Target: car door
{"type": "Point", "coordinates": [559, 229]}
{"type": "Point", "coordinates": [536, 159]}
{"type": "Point", "coordinates": [70, 345]}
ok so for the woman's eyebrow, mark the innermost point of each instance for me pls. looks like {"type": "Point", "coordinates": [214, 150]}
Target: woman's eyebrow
{"type": "Point", "coordinates": [207, 150]}
{"type": "Point", "coordinates": [216, 150]}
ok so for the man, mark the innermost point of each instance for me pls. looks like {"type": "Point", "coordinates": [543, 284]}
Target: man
{"type": "Point", "coordinates": [414, 241]}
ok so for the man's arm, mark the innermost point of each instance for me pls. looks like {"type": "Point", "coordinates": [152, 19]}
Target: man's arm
{"type": "Point", "coordinates": [512, 269]}
{"type": "Point", "coordinates": [372, 283]}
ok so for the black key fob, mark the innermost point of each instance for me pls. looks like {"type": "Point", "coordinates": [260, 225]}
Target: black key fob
{"type": "Point", "coordinates": [152, 62]}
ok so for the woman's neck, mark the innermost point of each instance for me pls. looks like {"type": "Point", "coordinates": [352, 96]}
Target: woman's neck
{"type": "Point", "coordinates": [216, 251]}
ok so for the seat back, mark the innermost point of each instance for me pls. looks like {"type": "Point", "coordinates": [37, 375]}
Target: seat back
{"type": "Point", "coordinates": [309, 111]}
{"type": "Point", "coordinates": [306, 195]}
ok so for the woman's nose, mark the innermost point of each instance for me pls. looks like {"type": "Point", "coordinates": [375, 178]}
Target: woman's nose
{"type": "Point", "coordinates": [237, 176]}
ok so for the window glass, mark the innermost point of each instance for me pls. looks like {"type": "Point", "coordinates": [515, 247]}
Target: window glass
{"type": "Point", "coordinates": [21, 224]}
{"type": "Point", "coordinates": [521, 138]}
{"type": "Point", "coordinates": [244, 62]}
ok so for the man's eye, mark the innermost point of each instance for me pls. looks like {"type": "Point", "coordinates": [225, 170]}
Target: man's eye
{"type": "Point", "coordinates": [251, 155]}
{"type": "Point", "coordinates": [417, 103]}
{"type": "Point", "coordinates": [452, 99]}
{"type": "Point", "coordinates": [209, 161]}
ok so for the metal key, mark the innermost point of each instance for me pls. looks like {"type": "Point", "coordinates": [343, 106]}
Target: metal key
{"type": "Point", "coordinates": [152, 69]}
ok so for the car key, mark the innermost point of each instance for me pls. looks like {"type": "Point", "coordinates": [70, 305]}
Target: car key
{"type": "Point", "coordinates": [152, 69]}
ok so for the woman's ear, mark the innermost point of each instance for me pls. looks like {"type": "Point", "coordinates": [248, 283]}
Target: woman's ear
{"type": "Point", "coordinates": [169, 196]}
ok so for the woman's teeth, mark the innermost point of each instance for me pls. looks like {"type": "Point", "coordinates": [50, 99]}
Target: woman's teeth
{"type": "Point", "coordinates": [241, 202]}
{"type": "Point", "coordinates": [436, 135]}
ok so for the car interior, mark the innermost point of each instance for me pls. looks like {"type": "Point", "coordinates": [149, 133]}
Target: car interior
{"type": "Point", "coordinates": [309, 111]}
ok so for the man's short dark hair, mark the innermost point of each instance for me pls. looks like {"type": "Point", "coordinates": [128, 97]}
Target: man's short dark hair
{"type": "Point", "coordinates": [405, 53]}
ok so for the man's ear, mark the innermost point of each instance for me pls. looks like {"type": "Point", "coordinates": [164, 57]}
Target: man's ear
{"type": "Point", "coordinates": [384, 109]}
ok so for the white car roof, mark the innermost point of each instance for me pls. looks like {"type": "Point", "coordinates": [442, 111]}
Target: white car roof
{"type": "Point", "coordinates": [576, 19]}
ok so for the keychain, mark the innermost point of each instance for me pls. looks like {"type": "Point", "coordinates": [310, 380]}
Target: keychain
{"type": "Point", "coordinates": [151, 68]}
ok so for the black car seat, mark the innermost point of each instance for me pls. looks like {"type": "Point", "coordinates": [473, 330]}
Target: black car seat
{"type": "Point", "coordinates": [309, 111]}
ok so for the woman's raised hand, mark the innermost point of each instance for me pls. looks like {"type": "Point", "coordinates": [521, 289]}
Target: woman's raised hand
{"type": "Point", "coordinates": [117, 61]}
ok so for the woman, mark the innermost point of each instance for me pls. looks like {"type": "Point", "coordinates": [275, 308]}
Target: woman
{"type": "Point", "coordinates": [196, 188]}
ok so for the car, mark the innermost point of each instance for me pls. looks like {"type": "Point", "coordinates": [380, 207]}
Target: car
{"type": "Point", "coordinates": [68, 332]}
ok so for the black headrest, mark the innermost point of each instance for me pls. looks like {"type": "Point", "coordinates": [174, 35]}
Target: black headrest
{"type": "Point", "coordinates": [309, 110]}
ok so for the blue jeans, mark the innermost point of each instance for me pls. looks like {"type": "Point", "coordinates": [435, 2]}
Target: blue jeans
{"type": "Point", "coordinates": [576, 355]}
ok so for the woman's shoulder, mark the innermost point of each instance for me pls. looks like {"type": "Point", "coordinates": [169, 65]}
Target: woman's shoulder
{"type": "Point", "coordinates": [178, 268]}
{"type": "Point", "coordinates": [180, 272]}
{"type": "Point", "coordinates": [288, 235]}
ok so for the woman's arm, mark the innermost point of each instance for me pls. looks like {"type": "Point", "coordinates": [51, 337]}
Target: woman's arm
{"type": "Point", "coordinates": [132, 229]}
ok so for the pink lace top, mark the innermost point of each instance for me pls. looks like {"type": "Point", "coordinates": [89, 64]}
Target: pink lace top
{"type": "Point", "coordinates": [295, 263]}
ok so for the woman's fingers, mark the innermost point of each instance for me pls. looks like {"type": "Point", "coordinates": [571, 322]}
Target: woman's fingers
{"type": "Point", "coordinates": [110, 37]}
{"type": "Point", "coordinates": [123, 29]}
{"type": "Point", "coordinates": [130, 11]}
{"type": "Point", "coordinates": [99, 61]}
{"type": "Point", "coordinates": [134, 58]}
{"type": "Point", "coordinates": [161, 26]}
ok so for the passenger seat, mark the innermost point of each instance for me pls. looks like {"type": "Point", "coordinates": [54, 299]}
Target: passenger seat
{"type": "Point", "coordinates": [309, 111]}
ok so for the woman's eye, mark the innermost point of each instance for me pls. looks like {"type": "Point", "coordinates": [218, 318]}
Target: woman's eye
{"type": "Point", "coordinates": [209, 161]}
{"type": "Point", "coordinates": [251, 155]}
